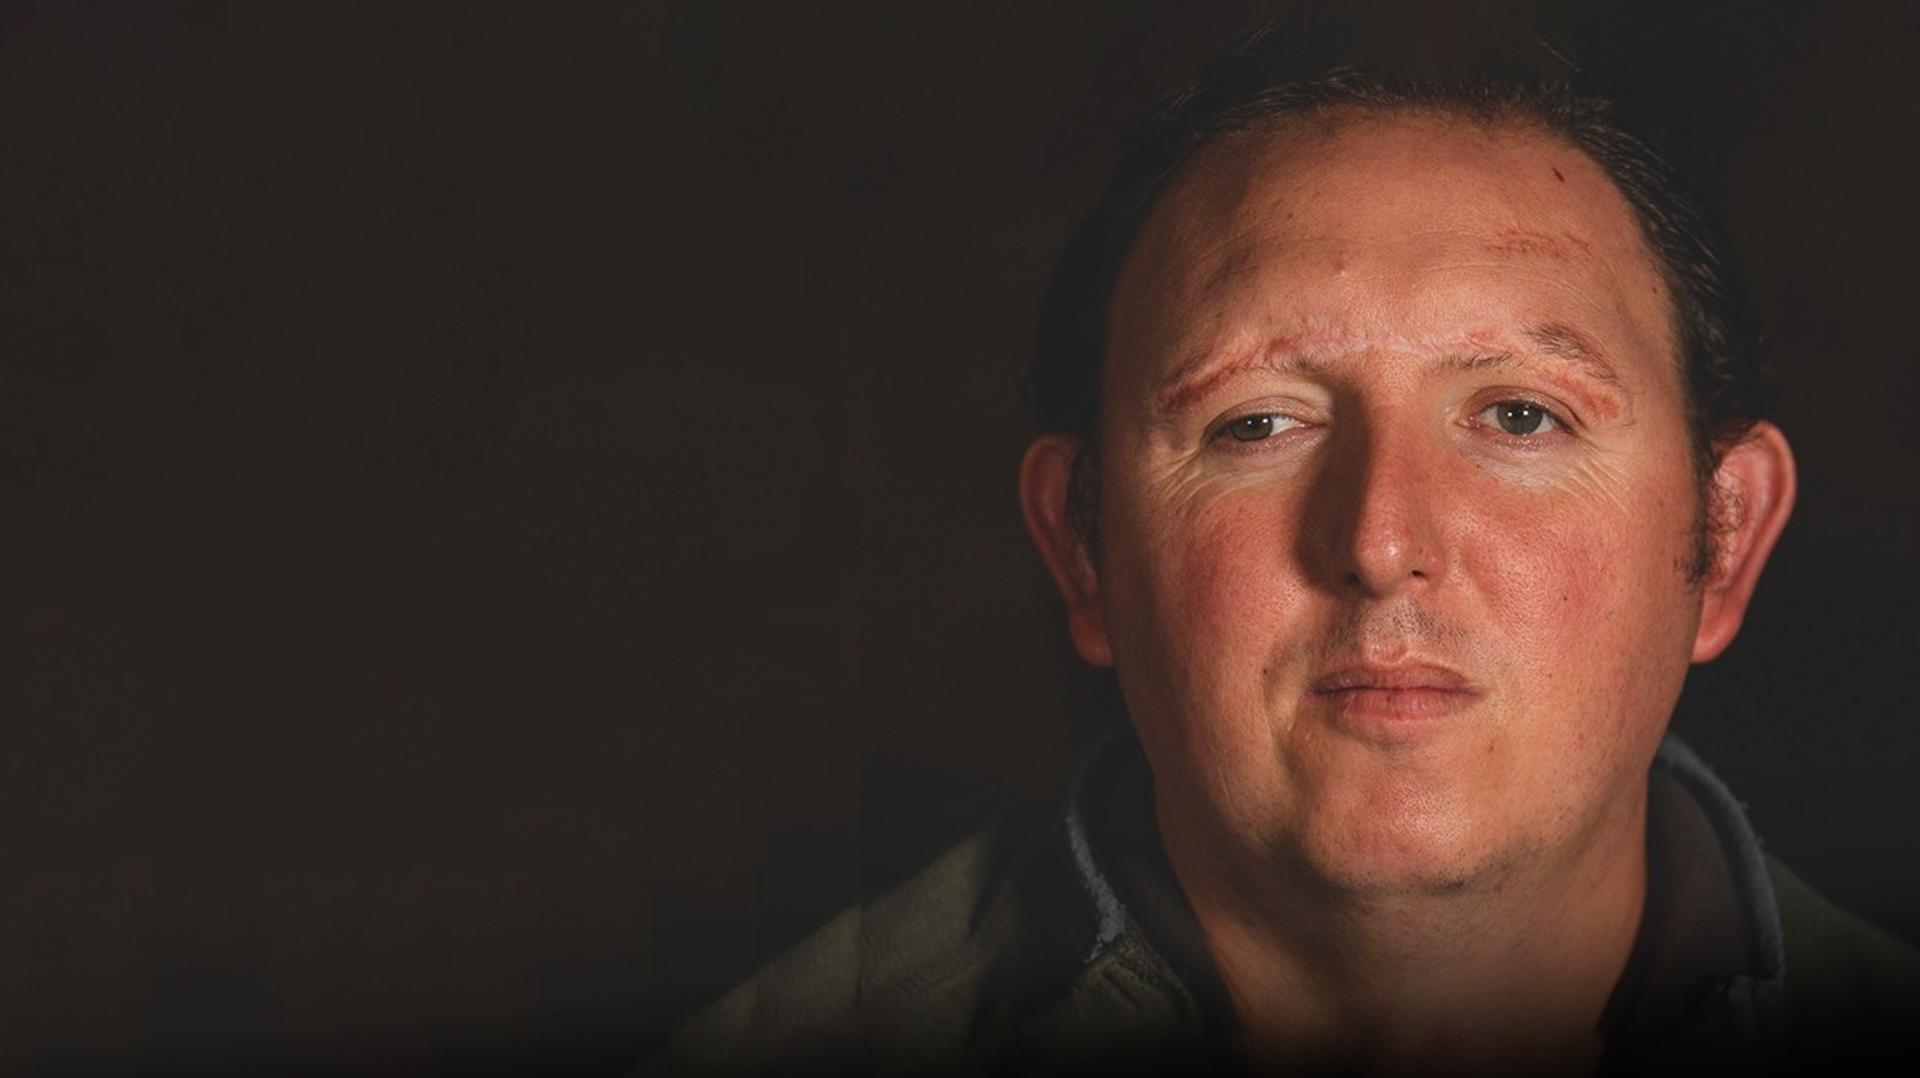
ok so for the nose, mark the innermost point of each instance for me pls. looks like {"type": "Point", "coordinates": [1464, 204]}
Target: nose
{"type": "Point", "coordinates": [1383, 499]}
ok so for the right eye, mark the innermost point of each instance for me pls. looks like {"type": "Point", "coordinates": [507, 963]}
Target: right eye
{"type": "Point", "coordinates": [1257, 428]}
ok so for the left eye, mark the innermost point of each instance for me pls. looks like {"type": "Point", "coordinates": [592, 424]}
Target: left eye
{"type": "Point", "coordinates": [1521, 418]}
{"type": "Point", "coordinates": [1258, 428]}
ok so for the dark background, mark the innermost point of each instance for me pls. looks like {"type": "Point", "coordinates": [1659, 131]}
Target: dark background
{"type": "Point", "coordinates": [508, 510]}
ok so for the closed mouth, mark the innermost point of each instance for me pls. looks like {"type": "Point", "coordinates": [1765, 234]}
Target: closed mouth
{"type": "Point", "coordinates": [1408, 678]}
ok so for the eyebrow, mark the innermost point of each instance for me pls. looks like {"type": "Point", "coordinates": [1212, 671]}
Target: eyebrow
{"type": "Point", "coordinates": [1194, 380]}
{"type": "Point", "coordinates": [1556, 340]}
{"type": "Point", "coordinates": [1565, 342]}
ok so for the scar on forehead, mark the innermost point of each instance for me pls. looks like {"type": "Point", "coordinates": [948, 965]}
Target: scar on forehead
{"type": "Point", "coordinates": [1519, 241]}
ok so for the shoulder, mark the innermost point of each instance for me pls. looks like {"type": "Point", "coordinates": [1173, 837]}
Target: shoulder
{"type": "Point", "coordinates": [1848, 984]}
{"type": "Point", "coordinates": [911, 978]}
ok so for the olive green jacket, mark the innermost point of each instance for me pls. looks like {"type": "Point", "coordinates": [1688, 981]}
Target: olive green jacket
{"type": "Point", "coordinates": [1036, 949]}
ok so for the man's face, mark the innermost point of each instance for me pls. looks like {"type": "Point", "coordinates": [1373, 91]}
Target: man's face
{"type": "Point", "coordinates": [1396, 505]}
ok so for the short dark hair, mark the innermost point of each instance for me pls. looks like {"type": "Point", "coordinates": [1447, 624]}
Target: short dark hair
{"type": "Point", "coordinates": [1489, 72]}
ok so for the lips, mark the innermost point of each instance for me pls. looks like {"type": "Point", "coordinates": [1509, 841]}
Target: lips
{"type": "Point", "coordinates": [1394, 705]}
{"type": "Point", "coordinates": [1415, 677]}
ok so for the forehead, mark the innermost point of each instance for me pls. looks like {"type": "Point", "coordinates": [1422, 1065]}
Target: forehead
{"type": "Point", "coordinates": [1407, 232]}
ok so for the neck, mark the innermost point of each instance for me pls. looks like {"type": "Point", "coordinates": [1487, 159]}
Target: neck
{"type": "Point", "coordinates": [1503, 975]}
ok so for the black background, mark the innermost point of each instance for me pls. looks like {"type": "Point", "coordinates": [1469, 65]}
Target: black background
{"type": "Point", "coordinates": [508, 509]}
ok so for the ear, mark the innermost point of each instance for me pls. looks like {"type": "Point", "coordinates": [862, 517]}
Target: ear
{"type": "Point", "coordinates": [1756, 478]}
{"type": "Point", "coordinates": [1046, 489]}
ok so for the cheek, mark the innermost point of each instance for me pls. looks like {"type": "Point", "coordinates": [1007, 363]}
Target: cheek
{"type": "Point", "coordinates": [1232, 609]}
{"type": "Point", "coordinates": [1205, 578]}
{"type": "Point", "coordinates": [1590, 595]}
{"type": "Point", "coordinates": [1233, 572]}
{"type": "Point", "coordinates": [1540, 566]}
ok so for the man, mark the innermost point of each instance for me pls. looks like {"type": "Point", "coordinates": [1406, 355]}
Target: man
{"type": "Point", "coordinates": [1403, 451]}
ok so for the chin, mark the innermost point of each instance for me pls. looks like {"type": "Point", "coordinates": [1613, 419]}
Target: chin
{"type": "Point", "coordinates": [1409, 874]}
{"type": "Point", "coordinates": [1410, 844]}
